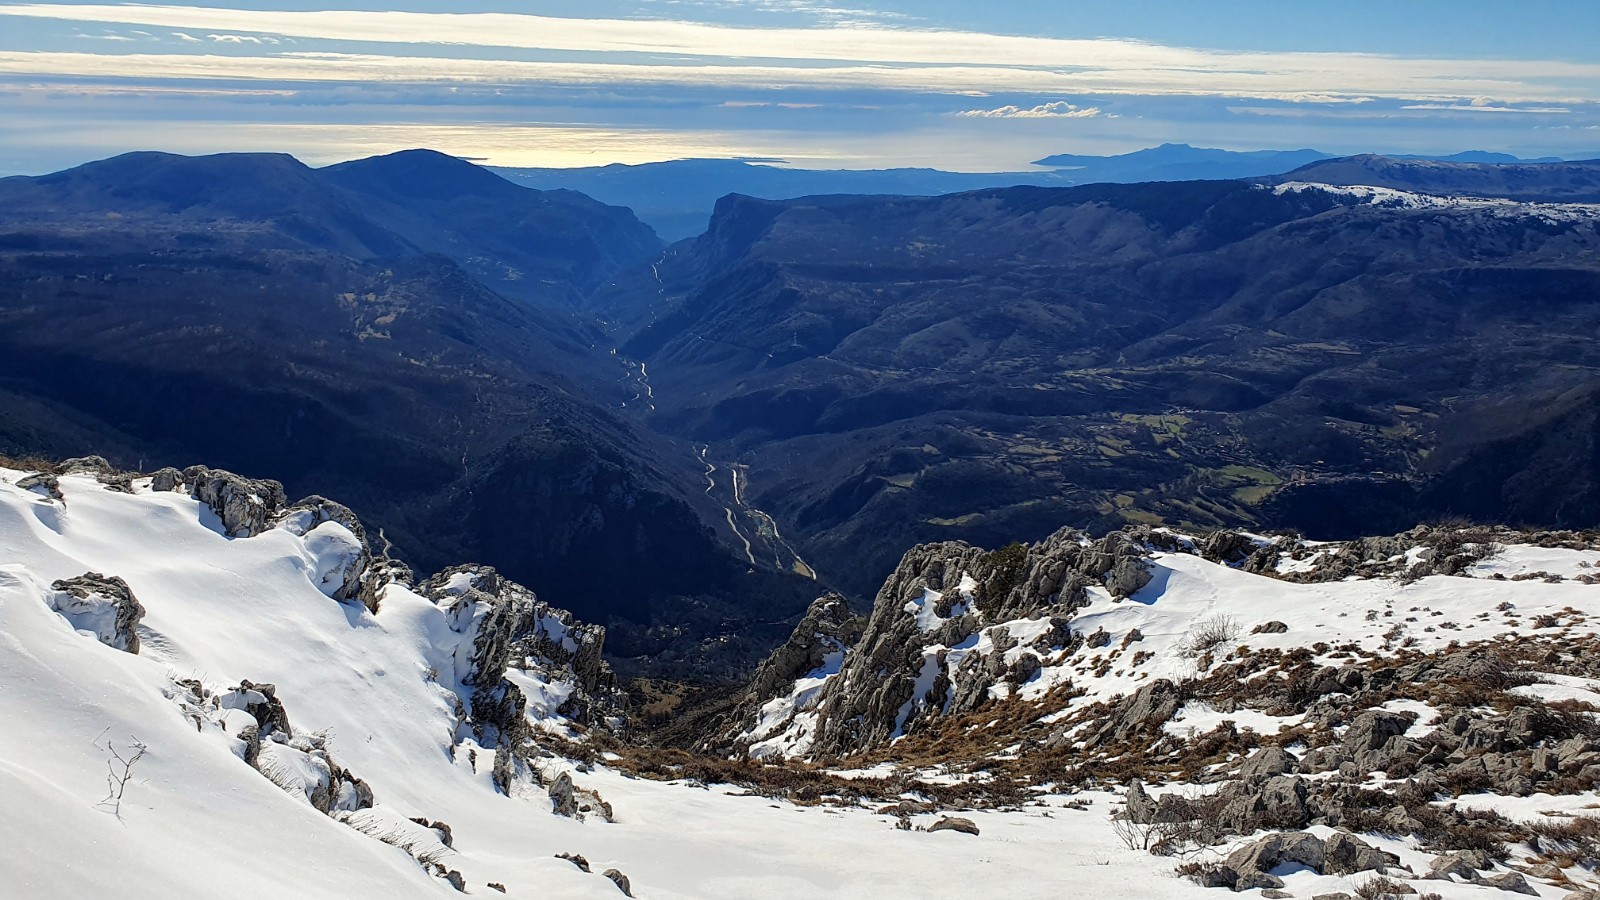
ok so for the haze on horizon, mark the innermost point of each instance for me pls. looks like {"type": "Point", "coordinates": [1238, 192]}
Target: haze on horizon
{"type": "Point", "coordinates": [878, 83]}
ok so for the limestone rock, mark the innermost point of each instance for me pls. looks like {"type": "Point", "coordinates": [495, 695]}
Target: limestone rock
{"type": "Point", "coordinates": [337, 541]}
{"type": "Point", "coordinates": [43, 482]}
{"type": "Point", "coordinates": [1509, 881]}
{"type": "Point", "coordinates": [503, 625]}
{"type": "Point", "coordinates": [1145, 711]}
{"type": "Point", "coordinates": [1266, 854]}
{"type": "Point", "coordinates": [620, 880]}
{"type": "Point", "coordinates": [562, 802]}
{"type": "Point", "coordinates": [954, 823]}
{"type": "Point", "coordinates": [1269, 761]}
{"type": "Point", "coordinates": [819, 642]}
{"type": "Point", "coordinates": [104, 606]}
{"type": "Point", "coordinates": [245, 505]}
{"type": "Point", "coordinates": [166, 479]}
{"type": "Point", "coordinates": [576, 859]}
{"type": "Point", "coordinates": [1347, 854]}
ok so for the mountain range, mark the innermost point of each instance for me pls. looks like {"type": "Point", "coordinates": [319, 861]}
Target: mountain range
{"type": "Point", "coordinates": [676, 197]}
{"type": "Point", "coordinates": [685, 443]}
{"type": "Point", "coordinates": [399, 331]}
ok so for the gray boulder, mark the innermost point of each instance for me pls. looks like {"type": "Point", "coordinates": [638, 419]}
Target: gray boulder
{"type": "Point", "coordinates": [1269, 761]}
{"type": "Point", "coordinates": [1509, 881]}
{"type": "Point", "coordinates": [1373, 728]}
{"type": "Point", "coordinates": [167, 479]}
{"type": "Point", "coordinates": [1262, 856]}
{"type": "Point", "coordinates": [246, 506]}
{"type": "Point", "coordinates": [1347, 854]}
{"type": "Point", "coordinates": [102, 605]}
{"type": "Point", "coordinates": [562, 802]}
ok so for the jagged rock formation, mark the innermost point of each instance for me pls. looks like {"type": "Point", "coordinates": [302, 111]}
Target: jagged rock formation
{"type": "Point", "coordinates": [103, 471]}
{"type": "Point", "coordinates": [813, 651]}
{"type": "Point", "coordinates": [503, 625]}
{"type": "Point", "coordinates": [102, 606]}
{"type": "Point", "coordinates": [917, 657]}
{"type": "Point", "coordinates": [344, 579]}
{"type": "Point", "coordinates": [45, 482]}
{"type": "Point", "coordinates": [1251, 866]}
{"type": "Point", "coordinates": [518, 630]}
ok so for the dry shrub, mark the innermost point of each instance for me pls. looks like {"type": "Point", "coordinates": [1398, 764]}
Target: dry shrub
{"type": "Point", "coordinates": [1209, 635]}
{"type": "Point", "coordinates": [1382, 887]}
{"type": "Point", "coordinates": [1576, 838]}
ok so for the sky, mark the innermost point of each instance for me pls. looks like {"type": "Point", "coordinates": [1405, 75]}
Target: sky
{"type": "Point", "coordinates": [969, 86]}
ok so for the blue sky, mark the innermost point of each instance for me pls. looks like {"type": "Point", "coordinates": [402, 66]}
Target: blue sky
{"type": "Point", "coordinates": [822, 83]}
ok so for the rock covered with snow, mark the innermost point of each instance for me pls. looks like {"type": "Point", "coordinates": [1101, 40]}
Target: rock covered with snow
{"type": "Point", "coordinates": [506, 632]}
{"type": "Point", "coordinates": [955, 624]}
{"type": "Point", "coordinates": [101, 606]}
{"type": "Point", "coordinates": [301, 764]}
{"type": "Point", "coordinates": [784, 685]}
{"type": "Point", "coordinates": [245, 506]}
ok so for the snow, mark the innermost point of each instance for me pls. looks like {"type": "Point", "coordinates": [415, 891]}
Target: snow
{"type": "Point", "coordinates": [1196, 717]}
{"type": "Point", "coordinates": [1186, 589]}
{"type": "Point", "coordinates": [196, 821]}
{"type": "Point", "coordinates": [1391, 198]}
{"type": "Point", "coordinates": [1524, 559]}
{"type": "Point", "coordinates": [1553, 688]}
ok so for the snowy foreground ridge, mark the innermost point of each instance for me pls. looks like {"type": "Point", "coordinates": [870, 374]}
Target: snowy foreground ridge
{"type": "Point", "coordinates": [284, 714]}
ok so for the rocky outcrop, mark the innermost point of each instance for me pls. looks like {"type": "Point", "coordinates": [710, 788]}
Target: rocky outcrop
{"type": "Point", "coordinates": [620, 880]}
{"type": "Point", "coordinates": [104, 606]}
{"type": "Point", "coordinates": [1139, 715]}
{"type": "Point", "coordinates": [166, 479]}
{"type": "Point", "coordinates": [104, 472]}
{"type": "Point", "coordinates": [904, 670]}
{"type": "Point", "coordinates": [562, 799]}
{"type": "Point", "coordinates": [336, 538]}
{"type": "Point", "coordinates": [815, 649]}
{"type": "Point", "coordinates": [254, 718]}
{"type": "Point", "coordinates": [43, 482]}
{"type": "Point", "coordinates": [503, 625]}
{"type": "Point", "coordinates": [829, 627]}
{"type": "Point", "coordinates": [246, 506]}
{"type": "Point", "coordinates": [1251, 866]}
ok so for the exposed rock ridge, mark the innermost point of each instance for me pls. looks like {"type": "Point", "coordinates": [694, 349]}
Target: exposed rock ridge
{"type": "Point", "coordinates": [905, 667]}
{"type": "Point", "coordinates": [824, 635]}
{"type": "Point", "coordinates": [505, 626]}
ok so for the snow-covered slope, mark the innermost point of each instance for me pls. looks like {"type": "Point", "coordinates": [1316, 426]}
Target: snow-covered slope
{"type": "Point", "coordinates": [385, 690]}
{"type": "Point", "coordinates": [283, 742]}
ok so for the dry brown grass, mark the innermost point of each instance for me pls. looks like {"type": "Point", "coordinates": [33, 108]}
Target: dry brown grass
{"type": "Point", "coordinates": [28, 463]}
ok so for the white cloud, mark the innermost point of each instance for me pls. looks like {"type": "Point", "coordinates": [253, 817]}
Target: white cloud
{"type": "Point", "coordinates": [1059, 109]}
{"type": "Point", "coordinates": [1479, 105]}
{"type": "Point", "coordinates": [995, 62]}
{"type": "Point", "coordinates": [363, 69]}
